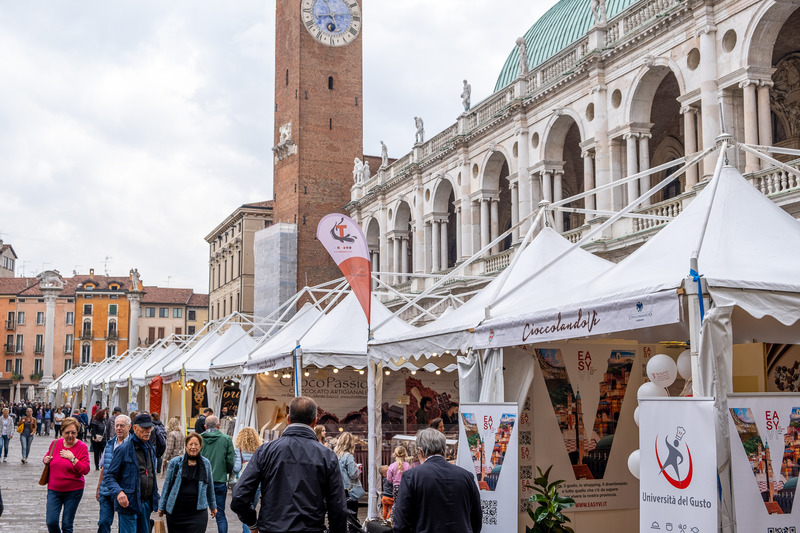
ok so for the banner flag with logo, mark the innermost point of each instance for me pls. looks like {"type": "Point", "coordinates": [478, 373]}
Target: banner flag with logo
{"type": "Point", "coordinates": [678, 465]}
{"type": "Point", "coordinates": [345, 243]}
{"type": "Point", "coordinates": [765, 460]}
{"type": "Point", "coordinates": [487, 447]}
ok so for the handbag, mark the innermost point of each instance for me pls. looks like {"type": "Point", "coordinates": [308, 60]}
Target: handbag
{"type": "Point", "coordinates": [20, 427]}
{"type": "Point", "coordinates": [45, 477]}
{"type": "Point", "coordinates": [159, 526]}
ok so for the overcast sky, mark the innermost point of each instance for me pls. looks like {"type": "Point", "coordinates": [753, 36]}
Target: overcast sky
{"type": "Point", "coordinates": [129, 130]}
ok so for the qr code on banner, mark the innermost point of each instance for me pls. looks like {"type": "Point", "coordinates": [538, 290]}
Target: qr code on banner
{"type": "Point", "coordinates": [524, 506]}
{"type": "Point", "coordinates": [789, 529]}
{"type": "Point", "coordinates": [489, 509]}
{"type": "Point", "coordinates": [527, 406]}
{"type": "Point", "coordinates": [525, 438]}
{"type": "Point", "coordinates": [526, 472]}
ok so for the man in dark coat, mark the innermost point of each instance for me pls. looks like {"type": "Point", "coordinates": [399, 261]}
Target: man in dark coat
{"type": "Point", "coordinates": [299, 478]}
{"type": "Point", "coordinates": [437, 497]}
{"type": "Point", "coordinates": [132, 478]}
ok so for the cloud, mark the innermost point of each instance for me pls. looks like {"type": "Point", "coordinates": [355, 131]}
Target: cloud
{"type": "Point", "coordinates": [130, 130]}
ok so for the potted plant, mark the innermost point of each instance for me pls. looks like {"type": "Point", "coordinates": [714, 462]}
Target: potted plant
{"type": "Point", "coordinates": [36, 376]}
{"type": "Point", "coordinates": [16, 377]}
{"type": "Point", "coordinates": [548, 517]}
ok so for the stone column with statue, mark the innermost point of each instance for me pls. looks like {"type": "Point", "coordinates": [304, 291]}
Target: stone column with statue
{"type": "Point", "coordinates": [135, 295]}
{"type": "Point", "coordinates": [51, 285]}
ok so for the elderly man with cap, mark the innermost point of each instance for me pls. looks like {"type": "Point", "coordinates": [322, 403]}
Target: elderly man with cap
{"type": "Point", "coordinates": [132, 479]}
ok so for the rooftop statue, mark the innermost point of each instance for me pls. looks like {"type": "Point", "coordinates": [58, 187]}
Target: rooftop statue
{"type": "Point", "coordinates": [465, 95]}
{"type": "Point", "coordinates": [598, 8]}
{"type": "Point", "coordinates": [358, 168]}
{"type": "Point", "coordinates": [522, 46]}
{"type": "Point", "coordinates": [365, 172]}
{"type": "Point", "coordinates": [384, 155]}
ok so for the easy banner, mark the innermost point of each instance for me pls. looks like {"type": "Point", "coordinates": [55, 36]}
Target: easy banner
{"type": "Point", "coordinates": [678, 465]}
{"type": "Point", "coordinates": [345, 243]}
{"type": "Point", "coordinates": [765, 460]}
{"type": "Point", "coordinates": [487, 447]}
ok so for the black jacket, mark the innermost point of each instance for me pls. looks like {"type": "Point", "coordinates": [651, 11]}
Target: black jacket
{"type": "Point", "coordinates": [200, 424]}
{"type": "Point", "coordinates": [300, 482]}
{"type": "Point", "coordinates": [437, 497]}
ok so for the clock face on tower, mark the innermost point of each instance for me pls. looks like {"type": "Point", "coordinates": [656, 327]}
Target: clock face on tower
{"type": "Point", "coordinates": [332, 22]}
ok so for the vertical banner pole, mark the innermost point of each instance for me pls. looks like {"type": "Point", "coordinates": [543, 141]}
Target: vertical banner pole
{"type": "Point", "coordinates": [184, 422]}
{"type": "Point", "coordinates": [298, 368]}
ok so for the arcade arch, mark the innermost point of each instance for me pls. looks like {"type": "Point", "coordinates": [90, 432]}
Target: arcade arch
{"type": "Point", "coordinates": [656, 127]}
{"type": "Point", "coordinates": [399, 238]}
{"type": "Point", "coordinates": [496, 201]}
{"type": "Point", "coordinates": [562, 171]}
{"type": "Point", "coordinates": [445, 229]}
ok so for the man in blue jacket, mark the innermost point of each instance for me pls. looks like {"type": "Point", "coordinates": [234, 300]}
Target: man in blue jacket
{"type": "Point", "coordinates": [122, 426]}
{"type": "Point", "coordinates": [132, 478]}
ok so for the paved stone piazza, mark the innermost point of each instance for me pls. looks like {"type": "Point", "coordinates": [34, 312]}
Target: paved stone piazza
{"type": "Point", "coordinates": [24, 499]}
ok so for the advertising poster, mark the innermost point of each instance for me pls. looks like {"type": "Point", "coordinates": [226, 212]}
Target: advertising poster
{"type": "Point", "coordinates": [585, 395]}
{"type": "Point", "coordinates": [198, 399]}
{"type": "Point", "coordinates": [678, 465]}
{"type": "Point", "coordinates": [230, 398]}
{"type": "Point", "coordinates": [487, 447]}
{"type": "Point", "coordinates": [765, 459]}
{"type": "Point", "coordinates": [342, 398]}
{"type": "Point", "coordinates": [783, 367]}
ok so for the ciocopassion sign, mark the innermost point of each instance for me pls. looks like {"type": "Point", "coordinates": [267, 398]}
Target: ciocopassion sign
{"type": "Point", "coordinates": [621, 315]}
{"type": "Point", "coordinates": [678, 458]}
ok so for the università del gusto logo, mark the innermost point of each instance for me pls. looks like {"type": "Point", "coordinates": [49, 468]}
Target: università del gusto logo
{"type": "Point", "coordinates": [675, 459]}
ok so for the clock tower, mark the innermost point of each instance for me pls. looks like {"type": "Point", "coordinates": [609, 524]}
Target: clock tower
{"type": "Point", "coordinates": [318, 121]}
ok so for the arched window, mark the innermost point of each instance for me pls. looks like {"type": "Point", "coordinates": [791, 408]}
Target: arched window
{"type": "Point", "coordinates": [330, 83]}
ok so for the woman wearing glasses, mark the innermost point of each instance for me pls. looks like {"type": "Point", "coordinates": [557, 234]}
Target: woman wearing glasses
{"type": "Point", "coordinates": [69, 463]}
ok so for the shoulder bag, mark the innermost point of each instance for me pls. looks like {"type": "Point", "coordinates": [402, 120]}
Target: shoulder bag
{"type": "Point", "coordinates": [45, 477]}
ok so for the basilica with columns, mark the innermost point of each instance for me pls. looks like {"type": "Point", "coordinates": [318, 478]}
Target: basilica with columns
{"type": "Point", "coordinates": [590, 97]}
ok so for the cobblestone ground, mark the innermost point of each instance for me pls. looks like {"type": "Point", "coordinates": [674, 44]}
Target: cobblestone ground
{"type": "Point", "coordinates": [24, 499]}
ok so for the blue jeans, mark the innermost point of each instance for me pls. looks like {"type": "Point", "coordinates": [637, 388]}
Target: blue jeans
{"type": "Point", "coordinates": [5, 444]}
{"type": "Point", "coordinates": [221, 493]}
{"type": "Point", "coordinates": [138, 521]}
{"type": "Point", "coordinates": [106, 514]}
{"type": "Point", "coordinates": [26, 445]}
{"type": "Point", "coordinates": [69, 500]}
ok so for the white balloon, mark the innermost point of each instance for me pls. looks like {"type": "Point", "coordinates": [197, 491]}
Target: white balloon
{"type": "Point", "coordinates": [662, 370]}
{"type": "Point", "coordinates": [685, 364]}
{"type": "Point", "coordinates": [633, 463]}
{"type": "Point", "coordinates": [636, 415]}
{"type": "Point", "coordinates": [651, 390]}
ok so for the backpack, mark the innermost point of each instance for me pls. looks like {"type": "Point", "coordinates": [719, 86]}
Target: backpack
{"type": "Point", "coordinates": [160, 443]}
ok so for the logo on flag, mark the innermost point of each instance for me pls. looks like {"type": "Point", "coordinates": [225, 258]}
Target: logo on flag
{"type": "Point", "coordinates": [345, 243]}
{"type": "Point", "coordinates": [676, 468]}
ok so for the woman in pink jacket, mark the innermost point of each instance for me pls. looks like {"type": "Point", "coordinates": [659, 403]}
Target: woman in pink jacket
{"type": "Point", "coordinates": [69, 463]}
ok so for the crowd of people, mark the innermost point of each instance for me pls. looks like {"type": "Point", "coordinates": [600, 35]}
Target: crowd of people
{"type": "Point", "coordinates": [293, 483]}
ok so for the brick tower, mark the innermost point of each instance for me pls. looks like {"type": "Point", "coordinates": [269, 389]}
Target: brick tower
{"type": "Point", "coordinates": [318, 120]}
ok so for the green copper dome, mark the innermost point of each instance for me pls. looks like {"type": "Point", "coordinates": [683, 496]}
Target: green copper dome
{"type": "Point", "coordinates": [562, 25]}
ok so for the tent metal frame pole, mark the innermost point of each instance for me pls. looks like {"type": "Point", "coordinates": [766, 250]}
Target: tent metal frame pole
{"type": "Point", "coordinates": [184, 421]}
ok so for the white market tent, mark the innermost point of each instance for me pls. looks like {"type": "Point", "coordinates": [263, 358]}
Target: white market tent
{"type": "Point", "coordinates": [233, 345]}
{"type": "Point", "coordinates": [337, 339]}
{"type": "Point", "coordinates": [745, 249]}
{"type": "Point", "coordinates": [558, 265]}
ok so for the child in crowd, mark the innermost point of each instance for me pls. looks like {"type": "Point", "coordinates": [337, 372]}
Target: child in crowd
{"type": "Point", "coordinates": [387, 501]}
